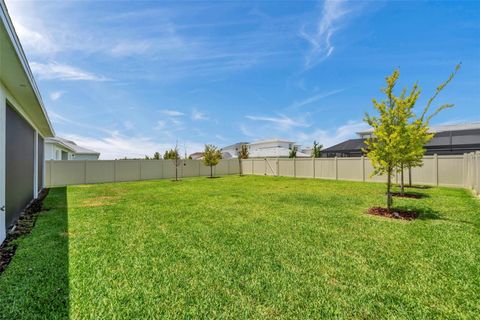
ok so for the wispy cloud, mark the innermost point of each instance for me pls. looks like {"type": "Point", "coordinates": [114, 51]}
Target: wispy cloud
{"type": "Point", "coordinates": [53, 70]}
{"type": "Point", "coordinates": [172, 113]}
{"type": "Point", "coordinates": [312, 99]}
{"type": "Point", "coordinates": [305, 135]}
{"type": "Point", "coordinates": [198, 116]}
{"type": "Point", "coordinates": [55, 95]}
{"type": "Point", "coordinates": [160, 125]}
{"type": "Point", "coordinates": [34, 40]}
{"type": "Point", "coordinates": [333, 136]}
{"type": "Point", "coordinates": [333, 14]}
{"type": "Point", "coordinates": [281, 121]}
{"type": "Point", "coordinates": [116, 146]}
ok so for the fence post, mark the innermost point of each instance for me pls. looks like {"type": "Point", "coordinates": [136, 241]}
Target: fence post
{"type": "Point", "coordinates": [435, 169]}
{"type": "Point", "coordinates": [313, 164]}
{"type": "Point", "coordinates": [336, 168]}
{"type": "Point", "coordinates": [363, 168]}
{"type": "Point", "coordinates": [139, 169]}
{"type": "Point", "coordinates": [477, 166]}
{"type": "Point", "coordinates": [115, 170]}
{"type": "Point", "coordinates": [294, 168]}
{"type": "Point", "coordinates": [278, 167]}
{"type": "Point", "coordinates": [85, 171]}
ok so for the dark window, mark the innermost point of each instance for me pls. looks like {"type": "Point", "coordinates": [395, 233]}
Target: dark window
{"type": "Point", "coordinates": [19, 164]}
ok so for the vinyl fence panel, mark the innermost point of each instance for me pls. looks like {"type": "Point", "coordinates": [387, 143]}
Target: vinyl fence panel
{"type": "Point", "coordinates": [70, 172]}
{"type": "Point", "coordinates": [443, 170]}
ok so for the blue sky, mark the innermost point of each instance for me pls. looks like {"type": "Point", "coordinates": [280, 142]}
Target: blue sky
{"type": "Point", "coordinates": [130, 78]}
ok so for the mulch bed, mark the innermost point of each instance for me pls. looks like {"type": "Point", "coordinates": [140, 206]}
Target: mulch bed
{"type": "Point", "coordinates": [23, 226]}
{"type": "Point", "coordinates": [393, 213]}
{"type": "Point", "coordinates": [407, 195]}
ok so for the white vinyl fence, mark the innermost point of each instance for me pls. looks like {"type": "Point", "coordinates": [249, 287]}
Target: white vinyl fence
{"type": "Point", "coordinates": [69, 172]}
{"type": "Point", "coordinates": [444, 170]}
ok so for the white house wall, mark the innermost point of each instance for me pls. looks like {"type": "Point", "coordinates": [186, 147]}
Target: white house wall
{"type": "Point", "coordinates": [54, 152]}
{"type": "Point", "coordinates": [86, 156]}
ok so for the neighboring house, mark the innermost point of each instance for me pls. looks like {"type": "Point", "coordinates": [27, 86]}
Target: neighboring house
{"type": "Point", "coordinates": [196, 156]}
{"type": "Point", "coordinates": [448, 139]}
{"type": "Point", "coordinates": [273, 148]}
{"type": "Point", "coordinates": [57, 148]}
{"type": "Point", "coordinates": [232, 151]}
{"type": "Point", "coordinates": [308, 151]}
{"type": "Point", "coordinates": [24, 125]}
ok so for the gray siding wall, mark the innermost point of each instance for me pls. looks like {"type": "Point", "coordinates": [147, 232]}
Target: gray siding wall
{"type": "Point", "coordinates": [41, 162]}
{"type": "Point", "coordinates": [19, 164]}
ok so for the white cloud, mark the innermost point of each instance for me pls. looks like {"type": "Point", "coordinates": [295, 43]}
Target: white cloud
{"type": "Point", "coordinates": [128, 48]}
{"type": "Point", "coordinates": [53, 70]}
{"type": "Point", "coordinates": [160, 125]}
{"type": "Point", "coordinates": [331, 18]}
{"type": "Point", "coordinates": [55, 95]}
{"type": "Point", "coordinates": [282, 122]}
{"type": "Point", "coordinates": [304, 135]}
{"type": "Point", "coordinates": [117, 146]}
{"type": "Point", "coordinates": [329, 138]}
{"type": "Point", "coordinates": [315, 98]}
{"type": "Point", "coordinates": [34, 41]}
{"type": "Point", "coordinates": [172, 113]}
{"type": "Point", "coordinates": [198, 116]}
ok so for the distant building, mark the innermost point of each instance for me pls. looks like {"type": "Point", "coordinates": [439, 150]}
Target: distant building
{"type": "Point", "coordinates": [57, 148]}
{"type": "Point", "coordinates": [196, 156]}
{"type": "Point", "coordinates": [231, 151]}
{"type": "Point", "coordinates": [273, 148]}
{"type": "Point", "coordinates": [448, 139]}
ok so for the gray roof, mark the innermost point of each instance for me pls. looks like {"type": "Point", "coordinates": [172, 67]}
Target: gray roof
{"type": "Point", "coordinates": [235, 145]}
{"type": "Point", "coordinates": [444, 139]}
{"type": "Point", "coordinates": [69, 144]}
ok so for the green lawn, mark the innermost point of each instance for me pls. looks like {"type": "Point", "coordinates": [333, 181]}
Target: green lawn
{"type": "Point", "coordinates": [245, 247]}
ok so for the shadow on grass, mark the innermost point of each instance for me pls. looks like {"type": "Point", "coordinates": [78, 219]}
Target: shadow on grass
{"type": "Point", "coordinates": [430, 214]}
{"type": "Point", "coordinates": [411, 195]}
{"type": "Point", "coordinates": [35, 284]}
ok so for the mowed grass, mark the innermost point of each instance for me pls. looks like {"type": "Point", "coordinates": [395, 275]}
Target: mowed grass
{"type": "Point", "coordinates": [245, 248]}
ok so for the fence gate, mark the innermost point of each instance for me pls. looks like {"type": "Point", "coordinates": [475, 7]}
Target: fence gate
{"type": "Point", "coordinates": [271, 168]}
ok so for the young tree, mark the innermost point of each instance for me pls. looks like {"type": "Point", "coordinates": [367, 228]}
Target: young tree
{"type": "Point", "coordinates": [293, 152]}
{"type": "Point", "coordinates": [157, 156]}
{"type": "Point", "coordinates": [173, 155]}
{"type": "Point", "coordinates": [317, 149]}
{"type": "Point", "coordinates": [211, 157]}
{"type": "Point", "coordinates": [242, 154]}
{"type": "Point", "coordinates": [399, 136]}
{"type": "Point", "coordinates": [384, 149]}
{"type": "Point", "coordinates": [418, 131]}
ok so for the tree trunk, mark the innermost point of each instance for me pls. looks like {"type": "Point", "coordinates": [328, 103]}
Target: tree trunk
{"type": "Point", "coordinates": [176, 172]}
{"type": "Point", "coordinates": [240, 166]}
{"type": "Point", "coordinates": [402, 188]}
{"type": "Point", "coordinates": [211, 171]}
{"type": "Point", "coordinates": [389, 187]}
{"type": "Point", "coordinates": [409, 176]}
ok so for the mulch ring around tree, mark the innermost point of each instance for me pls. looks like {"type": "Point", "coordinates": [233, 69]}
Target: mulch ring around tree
{"type": "Point", "coordinates": [23, 226]}
{"type": "Point", "coordinates": [408, 195]}
{"type": "Point", "coordinates": [393, 213]}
